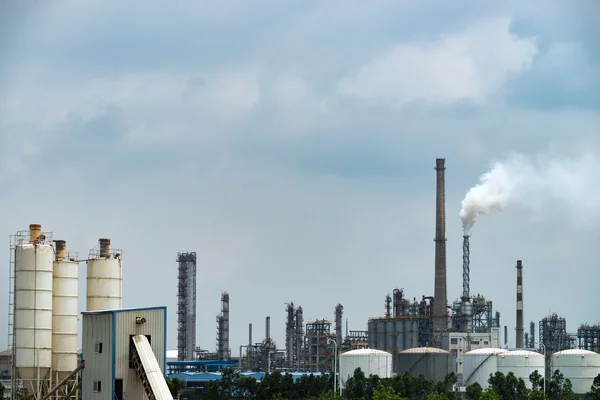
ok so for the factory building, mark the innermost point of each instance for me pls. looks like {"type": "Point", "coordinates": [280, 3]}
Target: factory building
{"type": "Point", "coordinates": [115, 364]}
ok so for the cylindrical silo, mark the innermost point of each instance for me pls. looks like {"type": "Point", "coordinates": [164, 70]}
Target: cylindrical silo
{"type": "Point", "coordinates": [580, 366]}
{"type": "Point", "coordinates": [64, 313]}
{"type": "Point", "coordinates": [431, 362]}
{"type": "Point", "coordinates": [479, 364]}
{"type": "Point", "coordinates": [104, 279]}
{"type": "Point", "coordinates": [370, 361]}
{"type": "Point", "coordinates": [33, 308]}
{"type": "Point", "coordinates": [522, 363]}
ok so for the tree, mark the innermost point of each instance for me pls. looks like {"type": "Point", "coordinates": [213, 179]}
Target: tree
{"type": "Point", "coordinates": [1, 391]}
{"type": "Point", "coordinates": [356, 385]}
{"type": "Point", "coordinates": [386, 393]}
{"type": "Point", "coordinates": [474, 391]}
{"type": "Point", "coordinates": [560, 388]}
{"type": "Point", "coordinates": [594, 393]}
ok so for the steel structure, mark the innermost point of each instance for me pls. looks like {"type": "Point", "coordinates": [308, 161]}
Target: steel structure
{"type": "Point", "coordinates": [339, 309]}
{"type": "Point", "coordinates": [186, 306]}
{"type": "Point", "coordinates": [531, 343]}
{"type": "Point", "coordinates": [519, 330]}
{"type": "Point", "coordinates": [290, 335]}
{"type": "Point", "coordinates": [588, 337]}
{"type": "Point", "coordinates": [440, 316]}
{"type": "Point", "coordinates": [388, 305]}
{"type": "Point", "coordinates": [466, 309]}
{"type": "Point", "coordinates": [223, 350]}
{"type": "Point", "coordinates": [320, 353]}
{"type": "Point", "coordinates": [355, 340]}
{"type": "Point", "coordinates": [553, 337]}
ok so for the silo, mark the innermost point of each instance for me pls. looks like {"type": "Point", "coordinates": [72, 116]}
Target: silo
{"type": "Point", "coordinates": [64, 313]}
{"type": "Point", "coordinates": [33, 308]}
{"type": "Point", "coordinates": [430, 362]}
{"type": "Point", "coordinates": [479, 364]}
{"type": "Point", "coordinates": [370, 361]}
{"type": "Point", "coordinates": [522, 363]}
{"type": "Point", "coordinates": [580, 366]}
{"type": "Point", "coordinates": [104, 279]}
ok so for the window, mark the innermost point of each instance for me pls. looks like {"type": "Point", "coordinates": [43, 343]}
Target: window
{"type": "Point", "coordinates": [453, 341]}
{"type": "Point", "coordinates": [97, 386]}
{"type": "Point", "coordinates": [486, 342]}
{"type": "Point", "coordinates": [98, 348]}
{"type": "Point", "coordinates": [132, 349]}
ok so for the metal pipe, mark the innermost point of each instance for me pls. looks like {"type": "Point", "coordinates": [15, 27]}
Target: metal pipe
{"type": "Point", "coordinates": [268, 328]}
{"type": "Point", "coordinates": [35, 230]}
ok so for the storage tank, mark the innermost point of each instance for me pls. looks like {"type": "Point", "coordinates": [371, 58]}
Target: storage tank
{"type": "Point", "coordinates": [370, 361]}
{"type": "Point", "coordinates": [104, 278]}
{"type": "Point", "coordinates": [580, 366]}
{"type": "Point", "coordinates": [479, 364]}
{"type": "Point", "coordinates": [430, 362]}
{"type": "Point", "coordinates": [34, 255]}
{"type": "Point", "coordinates": [522, 363]}
{"type": "Point", "coordinates": [65, 313]}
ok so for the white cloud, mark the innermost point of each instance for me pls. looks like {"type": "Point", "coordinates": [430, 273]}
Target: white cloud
{"type": "Point", "coordinates": [470, 66]}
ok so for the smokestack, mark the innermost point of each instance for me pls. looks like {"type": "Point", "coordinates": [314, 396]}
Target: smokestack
{"type": "Point", "coordinates": [35, 230]}
{"type": "Point", "coordinates": [440, 317]}
{"type": "Point", "coordinates": [61, 249]}
{"type": "Point", "coordinates": [268, 328]}
{"type": "Point", "coordinates": [466, 267]}
{"type": "Point", "coordinates": [519, 330]}
{"type": "Point", "coordinates": [104, 248]}
{"type": "Point", "coordinates": [250, 334]}
{"type": "Point", "coordinates": [505, 335]}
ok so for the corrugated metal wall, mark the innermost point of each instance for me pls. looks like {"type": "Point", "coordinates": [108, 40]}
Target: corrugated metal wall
{"type": "Point", "coordinates": [97, 328]}
{"type": "Point", "coordinates": [125, 328]}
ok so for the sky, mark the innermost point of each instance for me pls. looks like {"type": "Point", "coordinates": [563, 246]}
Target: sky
{"type": "Point", "coordinates": [292, 146]}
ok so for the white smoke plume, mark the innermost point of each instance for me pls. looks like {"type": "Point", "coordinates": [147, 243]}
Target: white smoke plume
{"type": "Point", "coordinates": [567, 185]}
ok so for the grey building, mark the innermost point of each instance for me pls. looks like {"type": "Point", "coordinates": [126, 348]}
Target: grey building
{"type": "Point", "coordinates": [110, 354]}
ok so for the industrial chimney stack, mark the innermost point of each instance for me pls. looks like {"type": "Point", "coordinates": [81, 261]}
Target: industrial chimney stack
{"type": "Point", "coordinates": [519, 330]}
{"type": "Point", "coordinates": [440, 313]}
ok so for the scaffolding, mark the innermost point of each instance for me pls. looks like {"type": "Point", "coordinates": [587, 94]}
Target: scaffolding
{"type": "Point", "coordinates": [553, 338]}
{"type": "Point", "coordinates": [320, 352]}
{"type": "Point", "coordinates": [483, 318]}
{"type": "Point", "coordinates": [588, 337]}
{"type": "Point", "coordinates": [223, 350]}
{"type": "Point", "coordinates": [186, 306]}
{"type": "Point", "coordinates": [355, 340]}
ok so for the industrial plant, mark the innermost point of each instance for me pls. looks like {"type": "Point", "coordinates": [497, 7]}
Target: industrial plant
{"type": "Point", "coordinates": [124, 351]}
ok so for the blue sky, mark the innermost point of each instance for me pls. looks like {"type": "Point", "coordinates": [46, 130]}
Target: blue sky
{"type": "Point", "coordinates": [292, 147]}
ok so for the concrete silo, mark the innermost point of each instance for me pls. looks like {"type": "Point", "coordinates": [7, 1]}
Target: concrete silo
{"type": "Point", "coordinates": [65, 313]}
{"type": "Point", "coordinates": [104, 278]}
{"type": "Point", "coordinates": [33, 257]}
{"type": "Point", "coordinates": [580, 366]}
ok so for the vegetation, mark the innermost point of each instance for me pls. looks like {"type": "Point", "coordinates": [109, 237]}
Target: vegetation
{"type": "Point", "coordinates": [278, 386]}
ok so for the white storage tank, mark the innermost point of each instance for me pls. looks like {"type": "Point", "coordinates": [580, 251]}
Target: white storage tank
{"type": "Point", "coordinates": [370, 361]}
{"type": "Point", "coordinates": [104, 278]}
{"type": "Point", "coordinates": [431, 362]}
{"type": "Point", "coordinates": [65, 313]}
{"type": "Point", "coordinates": [521, 363]}
{"type": "Point", "coordinates": [33, 307]}
{"type": "Point", "coordinates": [479, 364]}
{"type": "Point", "coordinates": [580, 366]}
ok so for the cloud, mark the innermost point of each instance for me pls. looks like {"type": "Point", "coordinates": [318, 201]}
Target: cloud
{"type": "Point", "coordinates": [469, 66]}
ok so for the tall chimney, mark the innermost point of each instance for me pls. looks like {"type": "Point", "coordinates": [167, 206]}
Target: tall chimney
{"type": "Point", "coordinates": [505, 335]}
{"type": "Point", "coordinates": [250, 334]}
{"type": "Point", "coordinates": [35, 230]}
{"type": "Point", "coordinates": [268, 328]}
{"type": "Point", "coordinates": [440, 316]}
{"type": "Point", "coordinates": [519, 330]}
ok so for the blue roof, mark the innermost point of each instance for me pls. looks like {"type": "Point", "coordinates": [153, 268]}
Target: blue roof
{"type": "Point", "coordinates": [213, 376]}
{"type": "Point", "coordinates": [124, 310]}
{"type": "Point", "coordinates": [207, 363]}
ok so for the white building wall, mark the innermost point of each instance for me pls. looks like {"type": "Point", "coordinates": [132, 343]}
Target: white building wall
{"type": "Point", "coordinates": [125, 328]}
{"type": "Point", "coordinates": [97, 328]}
{"type": "Point", "coordinates": [459, 343]}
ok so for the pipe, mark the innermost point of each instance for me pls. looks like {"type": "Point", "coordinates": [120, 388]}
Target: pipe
{"type": "Point", "coordinates": [104, 248]}
{"type": "Point", "coordinates": [35, 230]}
{"type": "Point", "coordinates": [268, 328]}
{"type": "Point", "coordinates": [440, 320]}
{"type": "Point", "coordinates": [250, 334]}
{"type": "Point", "coordinates": [61, 249]}
{"type": "Point", "coordinates": [519, 329]}
{"type": "Point", "coordinates": [466, 267]}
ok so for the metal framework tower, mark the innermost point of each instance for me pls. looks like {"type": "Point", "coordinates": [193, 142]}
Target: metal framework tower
{"type": "Point", "coordinates": [299, 339]}
{"type": "Point", "coordinates": [553, 337]}
{"type": "Point", "coordinates": [339, 309]}
{"type": "Point", "coordinates": [519, 329]}
{"type": "Point", "coordinates": [223, 350]}
{"type": "Point", "coordinates": [466, 308]}
{"type": "Point", "coordinates": [589, 337]}
{"type": "Point", "coordinates": [186, 306]}
{"type": "Point", "coordinates": [290, 335]}
{"type": "Point", "coordinates": [531, 343]}
{"type": "Point", "coordinates": [388, 306]}
{"type": "Point", "coordinates": [320, 353]}
{"type": "Point", "coordinates": [440, 313]}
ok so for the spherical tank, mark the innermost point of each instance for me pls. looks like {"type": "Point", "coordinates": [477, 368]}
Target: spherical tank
{"type": "Point", "coordinates": [431, 362]}
{"type": "Point", "coordinates": [64, 317]}
{"type": "Point", "coordinates": [580, 366]}
{"type": "Point", "coordinates": [479, 364]}
{"type": "Point", "coordinates": [521, 363]}
{"type": "Point", "coordinates": [33, 311]}
{"type": "Point", "coordinates": [104, 284]}
{"type": "Point", "coordinates": [371, 362]}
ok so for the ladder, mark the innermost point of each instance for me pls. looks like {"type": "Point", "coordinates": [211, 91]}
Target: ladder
{"type": "Point", "coordinates": [11, 317]}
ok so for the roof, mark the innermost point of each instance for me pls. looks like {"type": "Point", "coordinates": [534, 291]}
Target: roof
{"type": "Point", "coordinates": [220, 363]}
{"type": "Point", "coordinates": [525, 353]}
{"type": "Point", "coordinates": [488, 350]}
{"type": "Point", "coordinates": [365, 352]}
{"type": "Point", "coordinates": [124, 310]}
{"type": "Point", "coordinates": [424, 350]}
{"type": "Point", "coordinates": [212, 376]}
{"type": "Point", "coordinates": [576, 352]}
